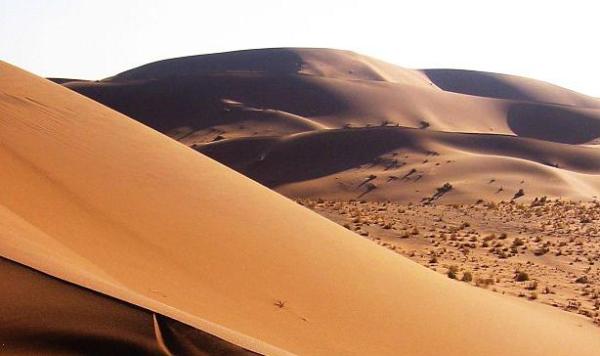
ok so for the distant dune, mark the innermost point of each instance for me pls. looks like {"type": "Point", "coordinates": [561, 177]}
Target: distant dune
{"type": "Point", "coordinates": [474, 126]}
{"type": "Point", "coordinates": [408, 164]}
{"type": "Point", "coordinates": [502, 86]}
{"type": "Point", "coordinates": [93, 198]}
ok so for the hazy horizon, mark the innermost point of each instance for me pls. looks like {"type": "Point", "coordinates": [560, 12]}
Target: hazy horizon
{"type": "Point", "coordinates": [94, 40]}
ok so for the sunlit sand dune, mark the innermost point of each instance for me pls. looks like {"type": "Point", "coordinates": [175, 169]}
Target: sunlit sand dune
{"type": "Point", "coordinates": [94, 198]}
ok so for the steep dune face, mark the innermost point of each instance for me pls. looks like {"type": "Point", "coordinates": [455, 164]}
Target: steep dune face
{"type": "Point", "coordinates": [259, 99]}
{"type": "Point", "coordinates": [94, 198]}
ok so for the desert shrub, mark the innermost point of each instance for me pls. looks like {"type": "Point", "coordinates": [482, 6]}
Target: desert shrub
{"type": "Point", "coordinates": [445, 188]}
{"type": "Point", "coordinates": [452, 272]}
{"type": "Point", "coordinates": [467, 277]}
{"type": "Point", "coordinates": [518, 242]}
{"type": "Point", "coordinates": [489, 237]}
{"type": "Point", "coordinates": [521, 276]}
{"type": "Point", "coordinates": [518, 194]}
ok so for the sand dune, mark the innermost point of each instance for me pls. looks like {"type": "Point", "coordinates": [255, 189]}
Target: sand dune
{"type": "Point", "coordinates": [252, 98]}
{"type": "Point", "coordinates": [315, 62]}
{"type": "Point", "coordinates": [405, 163]}
{"type": "Point", "coordinates": [94, 198]}
{"type": "Point", "coordinates": [333, 87]}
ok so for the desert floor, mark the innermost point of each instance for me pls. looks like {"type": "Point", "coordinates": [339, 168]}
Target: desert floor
{"type": "Point", "coordinates": [547, 251]}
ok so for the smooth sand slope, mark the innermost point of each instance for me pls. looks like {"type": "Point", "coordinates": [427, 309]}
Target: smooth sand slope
{"type": "Point", "coordinates": [253, 102]}
{"type": "Point", "coordinates": [94, 198]}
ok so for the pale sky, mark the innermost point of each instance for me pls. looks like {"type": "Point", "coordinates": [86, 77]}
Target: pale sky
{"type": "Point", "coordinates": [555, 41]}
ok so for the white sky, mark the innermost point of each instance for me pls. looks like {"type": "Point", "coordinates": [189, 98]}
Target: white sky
{"type": "Point", "coordinates": [556, 41]}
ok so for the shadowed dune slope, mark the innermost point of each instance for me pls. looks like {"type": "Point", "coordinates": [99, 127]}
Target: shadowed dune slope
{"type": "Point", "coordinates": [503, 86]}
{"type": "Point", "coordinates": [554, 123]}
{"type": "Point", "coordinates": [92, 197]}
{"type": "Point", "coordinates": [202, 101]}
{"type": "Point", "coordinates": [45, 315]}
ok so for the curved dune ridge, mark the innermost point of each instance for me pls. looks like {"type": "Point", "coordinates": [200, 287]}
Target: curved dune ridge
{"type": "Point", "coordinates": [94, 198]}
{"type": "Point", "coordinates": [247, 99]}
{"type": "Point", "coordinates": [409, 164]}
